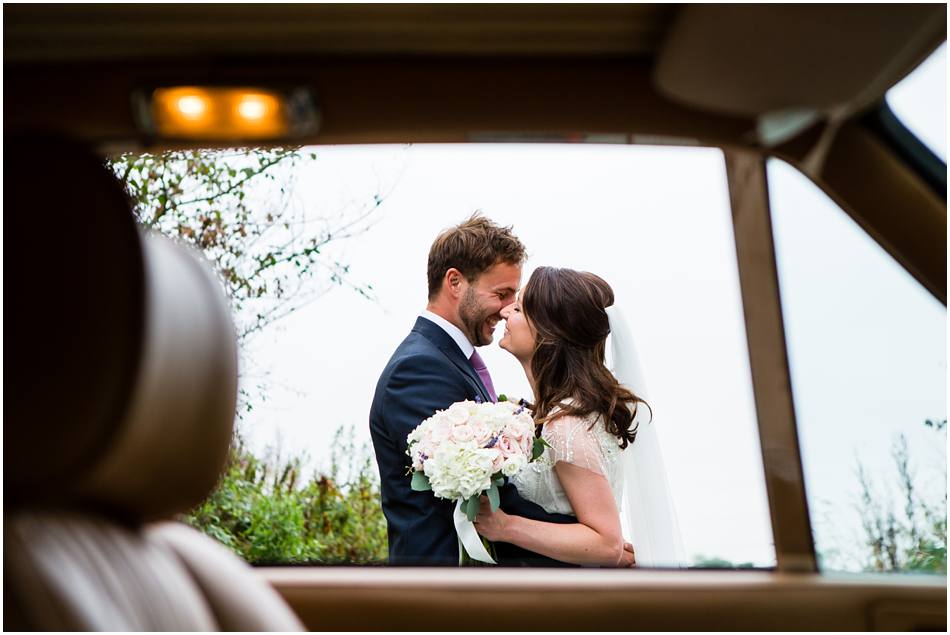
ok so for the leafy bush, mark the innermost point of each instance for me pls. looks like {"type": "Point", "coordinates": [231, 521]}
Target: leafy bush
{"type": "Point", "coordinates": [908, 538]}
{"type": "Point", "coordinates": [701, 561]}
{"type": "Point", "coordinates": [268, 514]}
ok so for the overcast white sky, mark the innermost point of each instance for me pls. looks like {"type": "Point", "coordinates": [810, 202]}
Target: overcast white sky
{"type": "Point", "coordinates": [655, 223]}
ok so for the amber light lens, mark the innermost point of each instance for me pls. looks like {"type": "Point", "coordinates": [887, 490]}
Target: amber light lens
{"type": "Point", "coordinates": [219, 113]}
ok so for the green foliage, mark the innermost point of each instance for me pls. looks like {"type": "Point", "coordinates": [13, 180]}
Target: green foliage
{"type": "Point", "coordinates": [494, 497]}
{"type": "Point", "coordinates": [715, 562]}
{"type": "Point", "coordinates": [537, 448]}
{"type": "Point", "coordinates": [420, 482]}
{"type": "Point", "coordinates": [911, 537]}
{"type": "Point", "coordinates": [267, 513]}
{"type": "Point", "coordinates": [471, 506]}
{"type": "Point", "coordinates": [237, 208]}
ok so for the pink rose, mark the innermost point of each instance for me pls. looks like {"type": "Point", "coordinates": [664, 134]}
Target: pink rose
{"type": "Point", "coordinates": [498, 462]}
{"type": "Point", "coordinates": [507, 445]}
{"type": "Point", "coordinates": [463, 433]}
{"type": "Point", "coordinates": [527, 445]}
{"type": "Point", "coordinates": [483, 433]}
{"type": "Point", "coordinates": [519, 429]}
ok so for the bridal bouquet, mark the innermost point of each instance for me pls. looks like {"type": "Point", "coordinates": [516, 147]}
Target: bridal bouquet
{"type": "Point", "coordinates": [466, 451]}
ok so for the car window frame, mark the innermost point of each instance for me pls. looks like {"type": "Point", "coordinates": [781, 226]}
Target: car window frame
{"type": "Point", "coordinates": [916, 155]}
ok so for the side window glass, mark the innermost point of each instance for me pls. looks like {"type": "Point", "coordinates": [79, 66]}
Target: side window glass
{"type": "Point", "coordinates": [867, 351]}
{"type": "Point", "coordinates": [920, 102]}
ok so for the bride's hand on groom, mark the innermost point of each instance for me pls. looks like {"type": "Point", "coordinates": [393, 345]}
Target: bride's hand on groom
{"type": "Point", "coordinates": [628, 559]}
{"type": "Point", "coordinates": [491, 525]}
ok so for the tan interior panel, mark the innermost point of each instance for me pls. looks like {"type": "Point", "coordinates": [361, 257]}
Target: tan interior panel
{"type": "Point", "coordinates": [425, 100]}
{"type": "Point", "coordinates": [768, 361]}
{"type": "Point", "coordinates": [121, 32]}
{"type": "Point", "coordinates": [765, 57]}
{"type": "Point", "coordinates": [341, 599]}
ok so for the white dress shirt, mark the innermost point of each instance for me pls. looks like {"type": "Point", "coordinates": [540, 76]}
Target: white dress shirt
{"type": "Point", "coordinates": [454, 332]}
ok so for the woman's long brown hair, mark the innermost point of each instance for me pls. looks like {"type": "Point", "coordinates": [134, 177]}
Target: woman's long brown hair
{"type": "Point", "coordinates": [567, 310]}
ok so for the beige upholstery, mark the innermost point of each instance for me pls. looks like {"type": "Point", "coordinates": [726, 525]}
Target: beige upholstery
{"type": "Point", "coordinates": [250, 606]}
{"type": "Point", "coordinates": [73, 571]}
{"type": "Point", "coordinates": [122, 408]}
{"type": "Point", "coordinates": [173, 441]}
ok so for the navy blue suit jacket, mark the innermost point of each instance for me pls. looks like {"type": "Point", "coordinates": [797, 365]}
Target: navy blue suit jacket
{"type": "Point", "coordinates": [428, 372]}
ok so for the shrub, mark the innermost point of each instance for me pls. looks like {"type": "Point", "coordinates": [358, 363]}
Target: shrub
{"type": "Point", "coordinates": [907, 538]}
{"type": "Point", "coordinates": [268, 514]}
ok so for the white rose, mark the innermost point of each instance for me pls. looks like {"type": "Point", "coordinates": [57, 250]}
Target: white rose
{"type": "Point", "coordinates": [513, 464]}
{"type": "Point", "coordinates": [439, 432]}
{"type": "Point", "coordinates": [457, 413]}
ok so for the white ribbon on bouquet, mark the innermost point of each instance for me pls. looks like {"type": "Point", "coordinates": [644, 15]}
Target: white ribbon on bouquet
{"type": "Point", "coordinates": [469, 540]}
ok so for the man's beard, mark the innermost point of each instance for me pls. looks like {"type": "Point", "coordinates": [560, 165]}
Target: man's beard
{"type": "Point", "coordinates": [473, 317]}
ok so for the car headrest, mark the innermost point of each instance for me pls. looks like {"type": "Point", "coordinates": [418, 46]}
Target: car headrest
{"type": "Point", "coordinates": [121, 355]}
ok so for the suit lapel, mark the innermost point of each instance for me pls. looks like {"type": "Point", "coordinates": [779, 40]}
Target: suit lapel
{"type": "Point", "coordinates": [444, 342]}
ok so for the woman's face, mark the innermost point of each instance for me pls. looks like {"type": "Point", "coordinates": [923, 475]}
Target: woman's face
{"type": "Point", "coordinates": [519, 337]}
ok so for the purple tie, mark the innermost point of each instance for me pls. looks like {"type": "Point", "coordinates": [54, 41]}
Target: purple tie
{"type": "Point", "coordinates": [479, 365]}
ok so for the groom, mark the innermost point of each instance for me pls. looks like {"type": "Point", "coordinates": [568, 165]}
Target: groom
{"type": "Point", "coordinates": [474, 271]}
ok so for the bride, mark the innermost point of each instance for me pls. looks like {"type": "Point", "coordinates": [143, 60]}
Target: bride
{"type": "Point", "coordinates": [602, 457]}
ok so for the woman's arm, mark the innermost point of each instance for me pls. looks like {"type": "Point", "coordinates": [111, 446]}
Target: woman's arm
{"type": "Point", "coordinates": [595, 539]}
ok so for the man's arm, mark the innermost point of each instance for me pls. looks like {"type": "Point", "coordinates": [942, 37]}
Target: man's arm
{"type": "Point", "coordinates": [513, 503]}
{"type": "Point", "coordinates": [421, 531]}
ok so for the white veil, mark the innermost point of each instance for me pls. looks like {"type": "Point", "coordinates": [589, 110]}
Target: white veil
{"type": "Point", "coordinates": [648, 516]}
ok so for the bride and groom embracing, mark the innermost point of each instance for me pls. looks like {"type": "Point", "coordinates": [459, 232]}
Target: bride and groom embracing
{"type": "Point", "coordinates": [601, 468]}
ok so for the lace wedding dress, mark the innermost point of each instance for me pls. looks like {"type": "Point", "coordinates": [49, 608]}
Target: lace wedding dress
{"type": "Point", "coordinates": [647, 517]}
{"type": "Point", "coordinates": [583, 442]}
{"type": "Point", "coordinates": [636, 475]}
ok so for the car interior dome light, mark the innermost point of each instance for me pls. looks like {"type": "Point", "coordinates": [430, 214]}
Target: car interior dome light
{"type": "Point", "coordinates": [191, 106]}
{"type": "Point", "coordinates": [226, 113]}
{"type": "Point", "coordinates": [255, 107]}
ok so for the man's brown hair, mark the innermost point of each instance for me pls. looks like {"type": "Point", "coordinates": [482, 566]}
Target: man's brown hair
{"type": "Point", "coordinates": [473, 247]}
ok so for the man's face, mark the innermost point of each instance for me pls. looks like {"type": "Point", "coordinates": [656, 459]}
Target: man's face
{"type": "Point", "coordinates": [483, 299]}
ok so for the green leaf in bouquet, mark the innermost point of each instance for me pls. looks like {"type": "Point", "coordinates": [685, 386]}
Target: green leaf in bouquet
{"type": "Point", "coordinates": [502, 397]}
{"type": "Point", "coordinates": [498, 480]}
{"type": "Point", "coordinates": [420, 482]}
{"type": "Point", "coordinates": [538, 448]}
{"type": "Point", "coordinates": [470, 507]}
{"type": "Point", "coordinates": [494, 497]}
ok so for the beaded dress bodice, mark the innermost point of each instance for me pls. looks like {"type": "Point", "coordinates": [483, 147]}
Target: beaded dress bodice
{"type": "Point", "coordinates": [572, 440]}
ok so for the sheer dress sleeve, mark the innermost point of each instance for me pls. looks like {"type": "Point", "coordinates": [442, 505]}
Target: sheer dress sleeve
{"type": "Point", "coordinates": [574, 441]}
